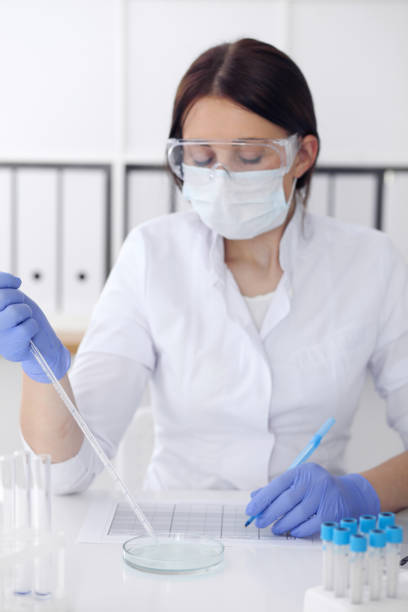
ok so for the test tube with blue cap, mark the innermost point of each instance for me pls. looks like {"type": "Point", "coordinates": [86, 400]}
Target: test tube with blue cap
{"type": "Point", "coordinates": [326, 535]}
{"type": "Point", "coordinates": [394, 537]}
{"type": "Point", "coordinates": [367, 523]}
{"type": "Point", "coordinates": [385, 519]}
{"type": "Point", "coordinates": [358, 547]}
{"type": "Point", "coordinates": [350, 523]}
{"type": "Point", "coordinates": [341, 540]}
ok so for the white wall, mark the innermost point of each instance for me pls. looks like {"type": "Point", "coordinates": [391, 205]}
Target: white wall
{"type": "Point", "coordinates": [93, 80]}
{"type": "Point", "coordinates": [355, 58]}
{"type": "Point", "coordinates": [57, 78]}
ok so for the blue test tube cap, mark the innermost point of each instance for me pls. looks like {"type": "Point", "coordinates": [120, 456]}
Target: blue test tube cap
{"type": "Point", "coordinates": [385, 519]}
{"type": "Point", "coordinates": [377, 538]}
{"type": "Point", "coordinates": [358, 543]}
{"type": "Point", "coordinates": [341, 536]}
{"type": "Point", "coordinates": [394, 534]}
{"type": "Point", "coordinates": [349, 523]}
{"type": "Point", "coordinates": [367, 523]}
{"type": "Point", "coordinates": [326, 531]}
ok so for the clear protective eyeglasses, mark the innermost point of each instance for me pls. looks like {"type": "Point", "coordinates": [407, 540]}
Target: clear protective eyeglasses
{"type": "Point", "coordinates": [241, 155]}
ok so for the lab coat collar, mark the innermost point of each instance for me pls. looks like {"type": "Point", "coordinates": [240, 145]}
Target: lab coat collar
{"type": "Point", "coordinates": [288, 257]}
{"type": "Point", "coordinates": [288, 249]}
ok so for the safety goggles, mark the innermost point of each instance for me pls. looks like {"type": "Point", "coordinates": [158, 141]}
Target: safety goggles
{"type": "Point", "coordinates": [241, 155]}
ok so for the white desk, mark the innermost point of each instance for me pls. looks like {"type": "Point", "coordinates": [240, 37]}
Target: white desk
{"type": "Point", "coordinates": [252, 579]}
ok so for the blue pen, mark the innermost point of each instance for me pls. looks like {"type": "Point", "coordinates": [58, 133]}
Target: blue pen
{"type": "Point", "coordinates": [305, 453]}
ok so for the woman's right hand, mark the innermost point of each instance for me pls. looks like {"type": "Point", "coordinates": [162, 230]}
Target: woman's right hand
{"type": "Point", "coordinates": [21, 320]}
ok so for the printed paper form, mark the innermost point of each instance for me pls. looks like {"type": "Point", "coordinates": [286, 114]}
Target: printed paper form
{"type": "Point", "coordinates": [113, 521]}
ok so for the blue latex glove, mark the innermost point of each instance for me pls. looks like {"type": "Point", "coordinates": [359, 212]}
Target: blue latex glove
{"type": "Point", "coordinates": [307, 495]}
{"type": "Point", "coordinates": [21, 320]}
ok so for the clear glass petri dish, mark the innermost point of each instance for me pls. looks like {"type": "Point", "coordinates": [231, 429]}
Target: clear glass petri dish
{"type": "Point", "coordinates": [173, 554]}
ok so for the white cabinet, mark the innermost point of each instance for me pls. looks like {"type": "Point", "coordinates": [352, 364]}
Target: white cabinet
{"type": "Point", "coordinates": [149, 195]}
{"type": "Point", "coordinates": [319, 195]}
{"type": "Point", "coordinates": [60, 240]}
{"type": "Point", "coordinates": [37, 232]}
{"type": "Point", "coordinates": [354, 198]}
{"type": "Point", "coordinates": [84, 239]}
{"type": "Point", "coordinates": [6, 220]}
{"type": "Point", "coordinates": [396, 209]}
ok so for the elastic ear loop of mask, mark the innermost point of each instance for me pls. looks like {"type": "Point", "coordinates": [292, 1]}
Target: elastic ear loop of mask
{"type": "Point", "coordinates": [292, 191]}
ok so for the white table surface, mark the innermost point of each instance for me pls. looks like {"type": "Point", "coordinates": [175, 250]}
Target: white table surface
{"type": "Point", "coordinates": [252, 578]}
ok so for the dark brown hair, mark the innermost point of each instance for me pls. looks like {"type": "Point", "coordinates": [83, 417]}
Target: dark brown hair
{"type": "Point", "coordinates": [258, 77]}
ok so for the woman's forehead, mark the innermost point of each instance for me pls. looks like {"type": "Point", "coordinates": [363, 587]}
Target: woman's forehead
{"type": "Point", "coordinates": [216, 118]}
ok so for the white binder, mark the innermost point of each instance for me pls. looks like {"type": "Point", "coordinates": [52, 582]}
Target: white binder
{"type": "Point", "coordinates": [149, 195]}
{"type": "Point", "coordinates": [395, 215]}
{"type": "Point", "coordinates": [5, 222]}
{"type": "Point", "coordinates": [83, 242]}
{"type": "Point", "coordinates": [318, 202]}
{"type": "Point", "coordinates": [36, 223]}
{"type": "Point", "coordinates": [354, 198]}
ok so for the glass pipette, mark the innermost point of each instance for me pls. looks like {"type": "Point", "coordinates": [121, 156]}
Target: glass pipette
{"type": "Point", "coordinates": [90, 437]}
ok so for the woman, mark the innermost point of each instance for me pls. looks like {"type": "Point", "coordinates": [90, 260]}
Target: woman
{"type": "Point", "coordinates": [253, 320]}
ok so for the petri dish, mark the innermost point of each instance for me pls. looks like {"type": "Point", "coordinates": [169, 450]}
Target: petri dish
{"type": "Point", "coordinates": [173, 554]}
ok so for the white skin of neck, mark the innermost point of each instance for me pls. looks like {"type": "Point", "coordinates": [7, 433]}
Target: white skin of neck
{"type": "Point", "coordinates": [253, 262]}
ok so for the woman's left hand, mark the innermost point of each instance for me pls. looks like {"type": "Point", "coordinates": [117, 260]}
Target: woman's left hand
{"type": "Point", "coordinates": [307, 495]}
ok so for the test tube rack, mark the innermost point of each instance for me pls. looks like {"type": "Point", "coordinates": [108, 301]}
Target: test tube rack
{"type": "Point", "coordinates": [318, 599]}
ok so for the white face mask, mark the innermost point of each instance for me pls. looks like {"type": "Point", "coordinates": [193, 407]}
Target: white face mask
{"type": "Point", "coordinates": [237, 205]}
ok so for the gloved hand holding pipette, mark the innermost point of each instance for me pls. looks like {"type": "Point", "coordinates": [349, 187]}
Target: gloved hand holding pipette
{"type": "Point", "coordinates": [21, 320]}
{"type": "Point", "coordinates": [307, 495]}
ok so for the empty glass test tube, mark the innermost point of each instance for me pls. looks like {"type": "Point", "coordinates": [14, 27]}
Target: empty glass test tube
{"type": "Point", "coordinates": [6, 493]}
{"type": "Point", "coordinates": [358, 547]}
{"type": "Point", "coordinates": [22, 519]}
{"type": "Point", "coordinates": [394, 537]}
{"type": "Point", "coordinates": [326, 535]}
{"type": "Point", "coordinates": [341, 540]}
{"type": "Point", "coordinates": [6, 520]}
{"type": "Point", "coordinates": [377, 541]}
{"type": "Point", "coordinates": [41, 522]}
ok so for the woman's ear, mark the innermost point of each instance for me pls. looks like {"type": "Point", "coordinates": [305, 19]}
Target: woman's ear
{"type": "Point", "coordinates": [306, 155]}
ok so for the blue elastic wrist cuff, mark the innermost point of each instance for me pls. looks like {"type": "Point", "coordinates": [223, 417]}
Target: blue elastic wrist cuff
{"type": "Point", "coordinates": [367, 499]}
{"type": "Point", "coordinates": [60, 367]}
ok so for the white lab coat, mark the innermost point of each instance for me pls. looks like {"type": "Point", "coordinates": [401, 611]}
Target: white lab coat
{"type": "Point", "coordinates": [234, 406]}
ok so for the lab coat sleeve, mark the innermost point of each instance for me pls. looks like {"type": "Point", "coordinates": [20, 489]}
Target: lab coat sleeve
{"type": "Point", "coordinates": [107, 407]}
{"type": "Point", "coordinates": [389, 361]}
{"type": "Point", "coordinates": [113, 364]}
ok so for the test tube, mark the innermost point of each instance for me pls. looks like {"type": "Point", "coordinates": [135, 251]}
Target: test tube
{"type": "Point", "coordinates": [377, 541]}
{"type": "Point", "coordinates": [41, 522]}
{"type": "Point", "coordinates": [6, 518]}
{"type": "Point", "coordinates": [367, 523]}
{"type": "Point", "coordinates": [341, 539]}
{"type": "Point", "coordinates": [326, 535]}
{"type": "Point", "coordinates": [394, 536]}
{"type": "Point", "coordinates": [22, 519]}
{"type": "Point", "coordinates": [385, 519]}
{"type": "Point", "coordinates": [358, 547]}
{"type": "Point", "coordinates": [41, 492]}
{"type": "Point", "coordinates": [350, 523]}
{"type": "Point", "coordinates": [6, 493]}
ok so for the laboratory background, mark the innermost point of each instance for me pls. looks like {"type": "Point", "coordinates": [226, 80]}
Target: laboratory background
{"type": "Point", "coordinates": [86, 98]}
